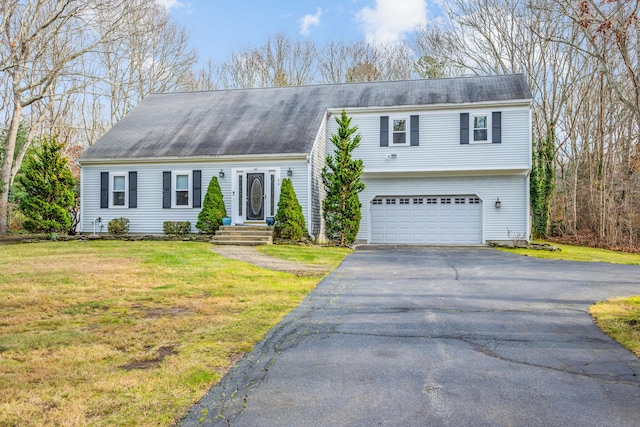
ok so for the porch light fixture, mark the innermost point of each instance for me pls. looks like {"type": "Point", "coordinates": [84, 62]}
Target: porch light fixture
{"type": "Point", "coordinates": [221, 173]}
{"type": "Point", "coordinates": [289, 172]}
{"type": "Point", "coordinates": [498, 203]}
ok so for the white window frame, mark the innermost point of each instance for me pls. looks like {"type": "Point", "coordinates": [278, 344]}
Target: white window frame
{"type": "Point", "coordinates": [174, 189]}
{"type": "Point", "coordinates": [472, 127]}
{"type": "Point", "coordinates": [112, 176]}
{"type": "Point", "coordinates": [407, 135]}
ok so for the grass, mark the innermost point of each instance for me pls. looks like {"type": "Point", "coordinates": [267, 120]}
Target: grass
{"type": "Point", "coordinates": [129, 333]}
{"type": "Point", "coordinates": [319, 255]}
{"type": "Point", "coordinates": [580, 253]}
{"type": "Point", "coordinates": [618, 317]}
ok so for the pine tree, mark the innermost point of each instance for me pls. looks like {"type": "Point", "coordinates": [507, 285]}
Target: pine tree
{"type": "Point", "coordinates": [213, 209]}
{"type": "Point", "coordinates": [289, 220]}
{"type": "Point", "coordinates": [47, 195]}
{"type": "Point", "coordinates": [341, 177]}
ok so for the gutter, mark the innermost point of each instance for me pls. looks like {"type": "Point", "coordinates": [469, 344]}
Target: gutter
{"type": "Point", "coordinates": [201, 159]}
{"type": "Point", "coordinates": [442, 106]}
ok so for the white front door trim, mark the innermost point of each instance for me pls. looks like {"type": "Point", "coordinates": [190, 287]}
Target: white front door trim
{"type": "Point", "coordinates": [239, 197]}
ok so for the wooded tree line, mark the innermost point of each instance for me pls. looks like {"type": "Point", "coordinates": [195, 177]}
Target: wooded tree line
{"type": "Point", "coordinates": [74, 68]}
{"type": "Point", "coordinates": [582, 60]}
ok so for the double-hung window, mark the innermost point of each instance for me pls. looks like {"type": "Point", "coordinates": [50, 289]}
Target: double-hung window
{"type": "Point", "coordinates": [481, 128]}
{"type": "Point", "coordinates": [118, 189]}
{"type": "Point", "coordinates": [182, 189]}
{"type": "Point", "coordinates": [399, 130]}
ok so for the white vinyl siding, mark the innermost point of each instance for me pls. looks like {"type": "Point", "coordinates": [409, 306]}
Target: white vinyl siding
{"type": "Point", "coordinates": [512, 216]}
{"type": "Point", "coordinates": [439, 148]}
{"type": "Point", "coordinates": [149, 216]}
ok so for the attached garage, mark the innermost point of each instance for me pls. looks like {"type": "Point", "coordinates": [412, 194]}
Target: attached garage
{"type": "Point", "coordinates": [443, 220]}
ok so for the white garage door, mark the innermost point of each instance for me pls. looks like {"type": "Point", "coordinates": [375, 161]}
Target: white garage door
{"type": "Point", "coordinates": [450, 220]}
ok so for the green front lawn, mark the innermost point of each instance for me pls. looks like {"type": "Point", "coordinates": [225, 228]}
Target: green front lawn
{"type": "Point", "coordinates": [129, 333]}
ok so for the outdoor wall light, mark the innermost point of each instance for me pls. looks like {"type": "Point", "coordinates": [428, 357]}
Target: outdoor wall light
{"type": "Point", "coordinates": [221, 173]}
{"type": "Point", "coordinates": [289, 172]}
{"type": "Point", "coordinates": [498, 203]}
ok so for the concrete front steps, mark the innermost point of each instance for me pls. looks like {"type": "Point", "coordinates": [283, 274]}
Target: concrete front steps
{"type": "Point", "coordinates": [243, 235]}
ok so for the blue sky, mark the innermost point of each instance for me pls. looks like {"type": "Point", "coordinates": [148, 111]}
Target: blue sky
{"type": "Point", "coordinates": [219, 27]}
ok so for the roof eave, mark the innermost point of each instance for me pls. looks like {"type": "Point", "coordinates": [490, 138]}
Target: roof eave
{"type": "Point", "coordinates": [442, 106]}
{"type": "Point", "coordinates": [195, 159]}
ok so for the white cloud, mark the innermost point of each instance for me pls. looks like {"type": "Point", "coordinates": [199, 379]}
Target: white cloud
{"type": "Point", "coordinates": [389, 20]}
{"type": "Point", "coordinates": [169, 4]}
{"type": "Point", "coordinates": [309, 21]}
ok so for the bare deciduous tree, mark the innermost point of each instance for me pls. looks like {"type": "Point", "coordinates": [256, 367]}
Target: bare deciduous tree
{"type": "Point", "coordinates": [41, 42]}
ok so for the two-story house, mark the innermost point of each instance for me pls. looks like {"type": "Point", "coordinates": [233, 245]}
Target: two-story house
{"type": "Point", "coordinates": [447, 161]}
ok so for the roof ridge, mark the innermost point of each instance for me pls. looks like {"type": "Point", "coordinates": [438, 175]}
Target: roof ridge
{"type": "Point", "coordinates": [315, 85]}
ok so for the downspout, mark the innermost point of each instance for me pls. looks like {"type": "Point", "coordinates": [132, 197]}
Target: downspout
{"type": "Point", "coordinates": [81, 219]}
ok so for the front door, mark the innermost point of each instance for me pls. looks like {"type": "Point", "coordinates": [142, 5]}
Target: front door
{"type": "Point", "coordinates": [255, 197]}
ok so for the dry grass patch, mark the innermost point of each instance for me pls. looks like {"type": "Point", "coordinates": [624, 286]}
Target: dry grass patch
{"type": "Point", "coordinates": [578, 253]}
{"type": "Point", "coordinates": [620, 319]}
{"type": "Point", "coordinates": [126, 333]}
{"type": "Point", "coordinates": [327, 256]}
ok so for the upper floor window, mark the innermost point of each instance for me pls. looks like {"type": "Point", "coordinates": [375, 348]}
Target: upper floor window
{"type": "Point", "coordinates": [118, 189]}
{"type": "Point", "coordinates": [182, 185]}
{"type": "Point", "coordinates": [399, 131]}
{"type": "Point", "coordinates": [480, 128]}
{"type": "Point", "coordinates": [395, 131]}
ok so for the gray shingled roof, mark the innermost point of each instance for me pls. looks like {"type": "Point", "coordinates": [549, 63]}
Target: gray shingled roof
{"type": "Point", "coordinates": [274, 120]}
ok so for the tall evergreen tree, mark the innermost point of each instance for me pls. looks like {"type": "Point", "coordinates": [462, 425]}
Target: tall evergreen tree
{"type": "Point", "coordinates": [342, 180]}
{"type": "Point", "coordinates": [47, 193]}
{"type": "Point", "coordinates": [213, 209]}
{"type": "Point", "coordinates": [289, 220]}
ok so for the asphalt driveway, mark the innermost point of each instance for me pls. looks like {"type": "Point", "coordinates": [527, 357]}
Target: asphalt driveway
{"type": "Point", "coordinates": [426, 336]}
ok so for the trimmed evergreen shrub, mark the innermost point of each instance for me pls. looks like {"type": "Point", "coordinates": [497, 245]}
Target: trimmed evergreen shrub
{"type": "Point", "coordinates": [289, 220]}
{"type": "Point", "coordinates": [118, 226]}
{"type": "Point", "coordinates": [213, 209]}
{"type": "Point", "coordinates": [177, 228]}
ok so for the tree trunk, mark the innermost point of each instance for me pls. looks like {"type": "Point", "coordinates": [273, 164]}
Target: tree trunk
{"type": "Point", "coordinates": [7, 164]}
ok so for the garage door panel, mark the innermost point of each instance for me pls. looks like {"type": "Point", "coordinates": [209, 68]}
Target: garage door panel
{"type": "Point", "coordinates": [426, 219]}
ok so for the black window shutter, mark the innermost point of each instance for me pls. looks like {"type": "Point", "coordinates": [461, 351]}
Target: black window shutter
{"type": "Point", "coordinates": [384, 131]}
{"type": "Point", "coordinates": [464, 128]}
{"type": "Point", "coordinates": [496, 127]}
{"type": "Point", "coordinates": [415, 135]}
{"type": "Point", "coordinates": [104, 189]}
{"type": "Point", "coordinates": [166, 190]}
{"type": "Point", "coordinates": [197, 189]}
{"type": "Point", "coordinates": [133, 189]}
